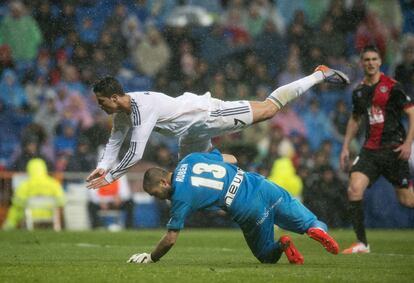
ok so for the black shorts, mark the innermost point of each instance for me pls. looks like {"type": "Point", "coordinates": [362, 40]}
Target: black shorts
{"type": "Point", "coordinates": [385, 162]}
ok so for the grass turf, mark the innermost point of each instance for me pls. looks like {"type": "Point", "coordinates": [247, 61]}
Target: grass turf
{"type": "Point", "coordinates": [199, 256]}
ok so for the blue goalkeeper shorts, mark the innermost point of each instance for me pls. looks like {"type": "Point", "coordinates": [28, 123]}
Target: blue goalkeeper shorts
{"type": "Point", "coordinates": [272, 205]}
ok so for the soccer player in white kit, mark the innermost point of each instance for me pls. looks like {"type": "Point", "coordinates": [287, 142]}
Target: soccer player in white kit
{"type": "Point", "coordinates": [195, 119]}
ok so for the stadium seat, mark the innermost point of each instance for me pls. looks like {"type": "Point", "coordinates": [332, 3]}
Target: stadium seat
{"type": "Point", "coordinates": [42, 211]}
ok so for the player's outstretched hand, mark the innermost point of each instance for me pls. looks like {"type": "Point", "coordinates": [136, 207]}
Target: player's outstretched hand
{"type": "Point", "coordinates": [98, 172]}
{"type": "Point", "coordinates": [97, 183]}
{"type": "Point", "coordinates": [140, 258]}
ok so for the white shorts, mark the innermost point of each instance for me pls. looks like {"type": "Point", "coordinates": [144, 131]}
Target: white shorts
{"type": "Point", "coordinates": [224, 117]}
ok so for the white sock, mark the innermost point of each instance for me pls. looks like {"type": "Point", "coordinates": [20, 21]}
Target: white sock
{"type": "Point", "coordinates": [284, 94]}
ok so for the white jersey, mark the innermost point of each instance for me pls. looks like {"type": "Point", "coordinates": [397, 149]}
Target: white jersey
{"type": "Point", "coordinates": [193, 118]}
{"type": "Point", "coordinates": [151, 111]}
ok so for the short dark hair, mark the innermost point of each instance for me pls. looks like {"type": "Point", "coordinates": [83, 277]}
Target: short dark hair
{"type": "Point", "coordinates": [369, 48]}
{"type": "Point", "coordinates": [108, 86]}
{"type": "Point", "coordinates": [152, 177]}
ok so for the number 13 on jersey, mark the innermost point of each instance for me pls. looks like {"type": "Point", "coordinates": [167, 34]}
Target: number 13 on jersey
{"type": "Point", "coordinates": [217, 172]}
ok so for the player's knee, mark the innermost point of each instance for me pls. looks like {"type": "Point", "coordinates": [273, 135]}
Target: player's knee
{"type": "Point", "coordinates": [267, 259]}
{"type": "Point", "coordinates": [355, 192]}
{"type": "Point", "coordinates": [270, 110]}
{"type": "Point", "coordinates": [263, 111]}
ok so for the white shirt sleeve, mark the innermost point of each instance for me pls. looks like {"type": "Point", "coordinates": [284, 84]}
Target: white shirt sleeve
{"type": "Point", "coordinates": [120, 127]}
{"type": "Point", "coordinates": [143, 120]}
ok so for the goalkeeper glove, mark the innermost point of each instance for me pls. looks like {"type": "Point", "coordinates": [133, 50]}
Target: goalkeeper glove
{"type": "Point", "coordinates": [140, 258]}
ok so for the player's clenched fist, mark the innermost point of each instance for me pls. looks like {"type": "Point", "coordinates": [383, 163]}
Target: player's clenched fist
{"type": "Point", "coordinates": [140, 258]}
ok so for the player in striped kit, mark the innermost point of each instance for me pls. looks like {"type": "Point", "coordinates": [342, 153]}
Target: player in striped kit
{"type": "Point", "coordinates": [195, 119]}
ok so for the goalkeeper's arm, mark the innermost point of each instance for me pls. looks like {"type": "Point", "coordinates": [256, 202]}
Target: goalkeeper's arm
{"type": "Point", "coordinates": [165, 244]}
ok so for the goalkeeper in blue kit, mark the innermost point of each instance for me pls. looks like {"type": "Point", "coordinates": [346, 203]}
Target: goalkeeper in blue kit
{"type": "Point", "coordinates": [213, 181]}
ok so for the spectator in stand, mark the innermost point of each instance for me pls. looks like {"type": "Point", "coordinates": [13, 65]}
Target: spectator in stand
{"type": "Point", "coordinates": [404, 72]}
{"type": "Point", "coordinates": [113, 52]}
{"type": "Point", "coordinates": [164, 158]}
{"type": "Point", "coordinates": [316, 121]}
{"type": "Point", "coordinates": [47, 115]}
{"type": "Point", "coordinates": [272, 13]}
{"type": "Point", "coordinates": [76, 110]}
{"type": "Point", "coordinates": [337, 11]}
{"type": "Point", "coordinates": [261, 77]}
{"type": "Point", "coordinates": [21, 32]}
{"type": "Point", "coordinates": [304, 157]}
{"type": "Point", "coordinates": [11, 91]}
{"type": "Point", "coordinates": [101, 66]}
{"type": "Point", "coordinates": [330, 41]}
{"type": "Point", "coordinates": [271, 47]}
{"type": "Point", "coordinates": [339, 119]}
{"type": "Point", "coordinates": [66, 139]}
{"type": "Point", "coordinates": [97, 134]}
{"type": "Point", "coordinates": [84, 159]}
{"type": "Point", "coordinates": [6, 60]}
{"type": "Point", "coordinates": [46, 21]}
{"type": "Point", "coordinates": [152, 54]}
{"type": "Point", "coordinates": [355, 15]}
{"type": "Point", "coordinates": [407, 10]}
{"type": "Point", "coordinates": [289, 122]}
{"type": "Point", "coordinates": [43, 64]}
{"type": "Point", "coordinates": [62, 61]}
{"type": "Point", "coordinates": [233, 23]}
{"type": "Point", "coordinates": [132, 32]}
{"type": "Point", "coordinates": [140, 9]}
{"type": "Point", "coordinates": [300, 33]}
{"type": "Point", "coordinates": [250, 61]}
{"type": "Point", "coordinates": [289, 8]}
{"type": "Point", "coordinates": [254, 20]}
{"type": "Point", "coordinates": [326, 196]}
{"type": "Point", "coordinates": [293, 70]}
{"type": "Point", "coordinates": [30, 149]}
{"type": "Point", "coordinates": [372, 31]}
{"type": "Point", "coordinates": [88, 31]}
{"type": "Point", "coordinates": [81, 57]}
{"type": "Point", "coordinates": [9, 137]}
{"type": "Point", "coordinates": [66, 20]}
{"type": "Point", "coordinates": [114, 22]}
{"type": "Point", "coordinates": [70, 78]}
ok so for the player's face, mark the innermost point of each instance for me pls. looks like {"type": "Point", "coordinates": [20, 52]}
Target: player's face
{"type": "Point", "coordinates": [108, 105]}
{"type": "Point", "coordinates": [371, 63]}
{"type": "Point", "coordinates": [162, 191]}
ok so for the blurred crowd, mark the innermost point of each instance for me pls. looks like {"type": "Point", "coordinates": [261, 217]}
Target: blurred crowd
{"type": "Point", "coordinates": [52, 51]}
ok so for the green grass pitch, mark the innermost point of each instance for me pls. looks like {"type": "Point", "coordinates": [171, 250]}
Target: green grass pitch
{"type": "Point", "coordinates": [204, 255]}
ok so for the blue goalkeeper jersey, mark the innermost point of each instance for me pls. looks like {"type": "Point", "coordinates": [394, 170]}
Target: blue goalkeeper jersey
{"type": "Point", "coordinates": [205, 181]}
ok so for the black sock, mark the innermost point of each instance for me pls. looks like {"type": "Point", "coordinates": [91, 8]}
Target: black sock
{"type": "Point", "coordinates": [356, 214]}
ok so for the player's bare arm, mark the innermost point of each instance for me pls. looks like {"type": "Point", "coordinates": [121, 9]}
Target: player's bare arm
{"type": "Point", "coordinates": [164, 245]}
{"type": "Point", "coordinates": [405, 148]}
{"type": "Point", "coordinates": [351, 130]}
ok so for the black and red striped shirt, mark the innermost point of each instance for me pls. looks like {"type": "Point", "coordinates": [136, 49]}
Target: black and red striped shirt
{"type": "Point", "coordinates": [382, 106]}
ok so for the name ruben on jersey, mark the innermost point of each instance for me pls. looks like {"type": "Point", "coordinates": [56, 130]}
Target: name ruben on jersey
{"type": "Point", "coordinates": [182, 170]}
